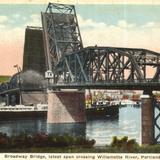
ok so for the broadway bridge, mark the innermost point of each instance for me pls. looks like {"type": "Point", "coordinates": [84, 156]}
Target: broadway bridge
{"type": "Point", "coordinates": [58, 47]}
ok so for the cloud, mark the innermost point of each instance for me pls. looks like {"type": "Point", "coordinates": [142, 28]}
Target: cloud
{"type": "Point", "coordinates": [89, 23]}
{"type": "Point", "coordinates": [12, 43]}
{"type": "Point", "coordinates": [16, 16]}
{"type": "Point", "coordinates": [3, 19]}
{"type": "Point", "coordinates": [12, 46]}
{"type": "Point", "coordinates": [35, 20]}
{"type": "Point", "coordinates": [122, 34]}
{"type": "Point", "coordinates": [2, 26]}
{"type": "Point", "coordinates": [124, 24]}
{"type": "Point", "coordinates": [150, 24]}
{"type": "Point", "coordinates": [13, 34]}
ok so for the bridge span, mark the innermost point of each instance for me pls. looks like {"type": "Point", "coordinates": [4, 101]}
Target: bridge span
{"type": "Point", "coordinates": [112, 85]}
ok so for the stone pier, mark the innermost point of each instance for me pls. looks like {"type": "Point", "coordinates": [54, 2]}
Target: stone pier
{"type": "Point", "coordinates": [66, 107]}
{"type": "Point", "coordinates": [147, 119]}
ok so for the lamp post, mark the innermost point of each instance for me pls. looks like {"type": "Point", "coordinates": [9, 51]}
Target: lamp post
{"type": "Point", "coordinates": [19, 81]}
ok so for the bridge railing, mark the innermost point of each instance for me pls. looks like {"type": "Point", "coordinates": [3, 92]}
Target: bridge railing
{"type": "Point", "coordinates": [148, 80]}
{"type": "Point", "coordinates": [123, 84]}
{"type": "Point", "coordinates": [130, 84]}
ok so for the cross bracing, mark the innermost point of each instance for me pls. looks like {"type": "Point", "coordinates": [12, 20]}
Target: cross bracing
{"type": "Point", "coordinates": [61, 32]}
{"type": "Point", "coordinates": [107, 65]}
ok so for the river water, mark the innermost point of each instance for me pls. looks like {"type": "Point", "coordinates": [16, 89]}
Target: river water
{"type": "Point", "coordinates": [127, 124]}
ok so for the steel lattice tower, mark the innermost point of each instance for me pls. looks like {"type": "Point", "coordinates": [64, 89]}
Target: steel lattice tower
{"type": "Point", "coordinates": [60, 32]}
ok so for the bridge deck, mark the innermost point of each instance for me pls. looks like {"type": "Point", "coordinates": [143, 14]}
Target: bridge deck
{"type": "Point", "coordinates": [110, 85]}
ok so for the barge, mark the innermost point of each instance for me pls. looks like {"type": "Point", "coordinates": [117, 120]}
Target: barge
{"type": "Point", "coordinates": [22, 111]}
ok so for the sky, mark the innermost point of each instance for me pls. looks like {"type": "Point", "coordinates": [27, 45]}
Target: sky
{"type": "Point", "coordinates": [117, 25]}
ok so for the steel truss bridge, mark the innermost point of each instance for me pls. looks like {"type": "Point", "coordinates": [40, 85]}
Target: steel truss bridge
{"type": "Point", "coordinates": [95, 67]}
{"type": "Point", "coordinates": [92, 67]}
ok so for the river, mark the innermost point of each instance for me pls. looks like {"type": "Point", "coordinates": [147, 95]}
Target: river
{"type": "Point", "coordinates": [127, 124]}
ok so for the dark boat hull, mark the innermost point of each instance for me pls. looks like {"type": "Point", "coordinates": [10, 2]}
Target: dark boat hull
{"type": "Point", "coordinates": [23, 114]}
{"type": "Point", "coordinates": [91, 113]}
{"type": "Point", "coordinates": [102, 111]}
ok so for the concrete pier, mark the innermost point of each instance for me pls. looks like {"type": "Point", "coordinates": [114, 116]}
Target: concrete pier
{"type": "Point", "coordinates": [147, 119]}
{"type": "Point", "coordinates": [66, 107]}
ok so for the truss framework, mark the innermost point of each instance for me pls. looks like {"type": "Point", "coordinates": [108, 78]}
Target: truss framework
{"type": "Point", "coordinates": [61, 32]}
{"type": "Point", "coordinates": [71, 63]}
{"type": "Point", "coordinates": [107, 65]}
{"type": "Point", "coordinates": [157, 122]}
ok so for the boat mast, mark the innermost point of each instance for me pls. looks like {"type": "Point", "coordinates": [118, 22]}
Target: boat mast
{"type": "Point", "coordinates": [90, 95]}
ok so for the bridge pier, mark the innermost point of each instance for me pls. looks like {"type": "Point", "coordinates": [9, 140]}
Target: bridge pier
{"type": "Point", "coordinates": [66, 107]}
{"type": "Point", "coordinates": [147, 118]}
{"type": "Point", "coordinates": [7, 99]}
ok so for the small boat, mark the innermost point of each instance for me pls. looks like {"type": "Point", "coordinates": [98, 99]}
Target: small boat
{"type": "Point", "coordinates": [102, 109]}
{"type": "Point", "coordinates": [127, 102]}
{"type": "Point", "coordinates": [21, 111]}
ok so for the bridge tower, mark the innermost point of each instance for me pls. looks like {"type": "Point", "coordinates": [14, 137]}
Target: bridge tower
{"type": "Point", "coordinates": [60, 32]}
{"type": "Point", "coordinates": [61, 37]}
{"type": "Point", "coordinates": [34, 57]}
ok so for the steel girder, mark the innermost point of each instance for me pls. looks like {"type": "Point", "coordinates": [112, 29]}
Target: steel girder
{"type": "Point", "coordinates": [61, 32]}
{"type": "Point", "coordinates": [156, 121]}
{"type": "Point", "coordinates": [107, 65]}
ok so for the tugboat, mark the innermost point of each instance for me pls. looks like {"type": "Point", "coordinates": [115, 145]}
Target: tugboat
{"type": "Point", "coordinates": [102, 109]}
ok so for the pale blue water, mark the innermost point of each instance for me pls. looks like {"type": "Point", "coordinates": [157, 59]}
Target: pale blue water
{"type": "Point", "coordinates": [128, 124]}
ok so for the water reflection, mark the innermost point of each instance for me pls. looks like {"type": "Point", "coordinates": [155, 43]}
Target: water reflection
{"type": "Point", "coordinates": [74, 129]}
{"type": "Point", "coordinates": [102, 130]}
{"type": "Point", "coordinates": [17, 126]}
{"type": "Point", "coordinates": [128, 124]}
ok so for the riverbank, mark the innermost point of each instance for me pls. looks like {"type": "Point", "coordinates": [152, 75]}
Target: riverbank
{"type": "Point", "coordinates": [142, 149]}
{"type": "Point", "coordinates": [4, 78]}
{"type": "Point", "coordinates": [43, 143]}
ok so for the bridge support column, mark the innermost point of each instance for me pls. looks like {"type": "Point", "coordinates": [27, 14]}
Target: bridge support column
{"type": "Point", "coordinates": [147, 119]}
{"type": "Point", "coordinates": [66, 107]}
{"type": "Point", "coordinates": [7, 99]}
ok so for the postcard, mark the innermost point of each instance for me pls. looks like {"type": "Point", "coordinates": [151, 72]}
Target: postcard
{"type": "Point", "coordinates": [79, 79]}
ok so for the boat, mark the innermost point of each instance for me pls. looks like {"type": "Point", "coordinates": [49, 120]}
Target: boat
{"type": "Point", "coordinates": [21, 111]}
{"type": "Point", "coordinates": [99, 109]}
{"type": "Point", "coordinates": [102, 109]}
{"type": "Point", "coordinates": [127, 102]}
